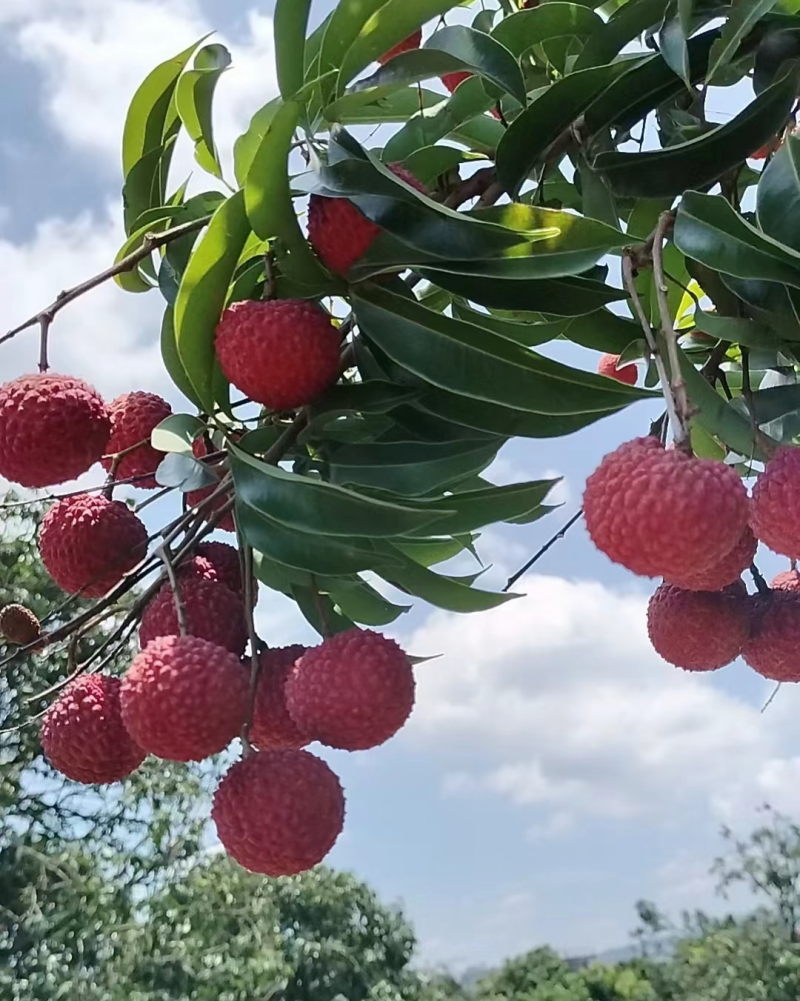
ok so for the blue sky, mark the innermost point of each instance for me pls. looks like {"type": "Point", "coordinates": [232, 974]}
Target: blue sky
{"type": "Point", "coordinates": [554, 770]}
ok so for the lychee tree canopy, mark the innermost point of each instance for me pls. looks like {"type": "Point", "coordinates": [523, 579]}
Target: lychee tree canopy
{"type": "Point", "coordinates": [585, 129]}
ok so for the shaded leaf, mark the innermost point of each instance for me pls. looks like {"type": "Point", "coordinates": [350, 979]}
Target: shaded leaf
{"type": "Point", "coordinates": [778, 195]}
{"type": "Point", "coordinates": [743, 15]}
{"type": "Point", "coordinates": [441, 591]}
{"type": "Point", "coordinates": [176, 433]}
{"type": "Point", "coordinates": [290, 20]}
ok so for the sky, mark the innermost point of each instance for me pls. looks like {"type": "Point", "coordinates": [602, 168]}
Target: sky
{"type": "Point", "coordinates": [555, 770]}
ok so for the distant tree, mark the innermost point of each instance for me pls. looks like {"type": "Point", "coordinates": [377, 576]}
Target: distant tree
{"type": "Point", "coordinates": [519, 977]}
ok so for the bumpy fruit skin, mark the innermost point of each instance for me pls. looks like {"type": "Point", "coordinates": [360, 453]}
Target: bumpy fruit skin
{"type": "Point", "coordinates": [279, 812]}
{"type": "Point", "coordinates": [452, 80]}
{"type": "Point", "coordinates": [407, 45]}
{"type": "Point", "coordinates": [213, 612]}
{"type": "Point", "coordinates": [184, 698]}
{"type": "Point", "coordinates": [775, 516]}
{"type": "Point", "coordinates": [282, 353]}
{"type": "Point", "coordinates": [19, 625]}
{"type": "Point", "coordinates": [133, 417]}
{"type": "Point", "coordinates": [698, 630]}
{"type": "Point", "coordinates": [662, 514]}
{"type": "Point", "coordinates": [83, 735]}
{"type": "Point", "coordinates": [724, 571]}
{"type": "Point", "coordinates": [52, 429]}
{"type": "Point", "coordinates": [354, 691]}
{"type": "Point", "coordinates": [773, 647]}
{"type": "Point", "coordinates": [272, 727]}
{"type": "Point", "coordinates": [608, 366]}
{"type": "Point", "coordinates": [218, 561]}
{"type": "Point", "coordinates": [787, 580]}
{"type": "Point", "coordinates": [88, 543]}
{"type": "Point", "coordinates": [339, 233]}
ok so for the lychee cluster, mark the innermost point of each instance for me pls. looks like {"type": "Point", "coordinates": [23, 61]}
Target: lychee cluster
{"type": "Point", "coordinates": [280, 809]}
{"type": "Point", "coordinates": [663, 513]}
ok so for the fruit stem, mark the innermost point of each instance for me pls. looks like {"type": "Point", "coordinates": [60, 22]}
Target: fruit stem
{"type": "Point", "coordinates": [758, 579]}
{"type": "Point", "coordinates": [512, 580]}
{"type": "Point", "coordinates": [44, 330]}
{"type": "Point", "coordinates": [165, 555]}
{"type": "Point", "coordinates": [246, 551]}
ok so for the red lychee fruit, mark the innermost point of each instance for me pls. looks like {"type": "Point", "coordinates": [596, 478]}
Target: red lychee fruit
{"type": "Point", "coordinates": [217, 561]}
{"type": "Point", "coordinates": [52, 429]}
{"type": "Point", "coordinates": [339, 233]}
{"type": "Point", "coordinates": [698, 630]}
{"type": "Point", "coordinates": [19, 625]}
{"type": "Point", "coordinates": [272, 727]}
{"type": "Point", "coordinates": [83, 736]}
{"type": "Point", "coordinates": [213, 612]}
{"type": "Point", "coordinates": [407, 45]}
{"type": "Point", "coordinates": [661, 513]}
{"type": "Point", "coordinates": [184, 698]}
{"type": "Point", "coordinates": [353, 692]}
{"type": "Point", "coordinates": [194, 497]}
{"type": "Point", "coordinates": [133, 418]}
{"type": "Point", "coordinates": [452, 80]}
{"type": "Point", "coordinates": [283, 353]}
{"type": "Point", "coordinates": [88, 543]}
{"type": "Point", "coordinates": [279, 812]}
{"type": "Point", "coordinates": [775, 514]}
{"type": "Point", "coordinates": [768, 148]}
{"type": "Point", "coordinates": [787, 580]}
{"type": "Point", "coordinates": [724, 571]}
{"type": "Point", "coordinates": [773, 647]}
{"type": "Point", "coordinates": [608, 366]}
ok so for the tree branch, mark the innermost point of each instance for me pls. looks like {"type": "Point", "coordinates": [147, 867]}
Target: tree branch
{"type": "Point", "coordinates": [540, 553]}
{"type": "Point", "coordinates": [151, 242]}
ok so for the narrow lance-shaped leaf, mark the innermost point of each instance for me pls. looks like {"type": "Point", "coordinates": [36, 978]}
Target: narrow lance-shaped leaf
{"type": "Point", "coordinates": [194, 97]}
{"type": "Point", "coordinates": [741, 18]}
{"type": "Point", "coordinates": [778, 195]}
{"type": "Point", "coordinates": [290, 21]}
{"type": "Point", "coordinates": [520, 32]}
{"type": "Point", "coordinates": [441, 591]}
{"type": "Point", "coordinates": [202, 294]}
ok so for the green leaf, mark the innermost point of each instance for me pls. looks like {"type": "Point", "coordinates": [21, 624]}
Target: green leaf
{"type": "Point", "coordinates": [370, 397]}
{"type": "Point", "coordinates": [487, 505]}
{"type": "Point", "coordinates": [523, 30]}
{"type": "Point", "coordinates": [365, 605]}
{"type": "Point", "coordinates": [529, 334]}
{"type": "Point", "coordinates": [344, 25]}
{"type": "Point", "coordinates": [184, 472]}
{"type": "Point", "coordinates": [319, 611]}
{"type": "Point", "coordinates": [441, 591]}
{"type": "Point", "coordinates": [458, 357]}
{"type": "Point", "coordinates": [135, 280]}
{"type": "Point", "coordinates": [152, 116]}
{"type": "Point", "coordinates": [735, 330]}
{"type": "Point", "coordinates": [701, 161]}
{"type": "Point", "coordinates": [268, 196]}
{"type": "Point", "coordinates": [290, 21]}
{"type": "Point", "coordinates": [315, 554]}
{"type": "Point", "coordinates": [313, 506]}
{"type": "Point", "coordinates": [561, 297]}
{"type": "Point", "coordinates": [603, 331]}
{"type": "Point", "coordinates": [530, 137]}
{"type": "Point", "coordinates": [171, 358]}
{"type": "Point", "coordinates": [672, 42]}
{"type": "Point", "coordinates": [176, 433]}
{"type": "Point", "coordinates": [482, 53]}
{"type": "Point", "coordinates": [597, 199]}
{"type": "Point", "coordinates": [386, 27]}
{"type": "Point", "coordinates": [144, 185]}
{"type": "Point", "coordinates": [624, 25]}
{"type": "Point", "coordinates": [778, 195]}
{"type": "Point", "coordinates": [743, 15]}
{"type": "Point", "coordinates": [245, 147]}
{"type": "Point", "coordinates": [709, 230]}
{"type": "Point", "coordinates": [429, 552]}
{"type": "Point", "coordinates": [409, 468]}
{"type": "Point", "coordinates": [193, 99]}
{"type": "Point", "coordinates": [202, 294]}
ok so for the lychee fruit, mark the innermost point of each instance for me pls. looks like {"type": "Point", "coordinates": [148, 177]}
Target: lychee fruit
{"type": "Point", "coordinates": [775, 514]}
{"type": "Point", "coordinates": [452, 80]}
{"type": "Point", "coordinates": [698, 630]}
{"type": "Point", "coordinates": [52, 429]}
{"type": "Point", "coordinates": [184, 698]}
{"type": "Point", "coordinates": [195, 497]}
{"type": "Point", "coordinates": [212, 611]}
{"type": "Point", "coordinates": [83, 735]}
{"type": "Point", "coordinates": [773, 647]}
{"type": "Point", "coordinates": [407, 45]}
{"type": "Point", "coordinates": [354, 691]}
{"type": "Point", "coordinates": [217, 561]}
{"type": "Point", "coordinates": [283, 352]}
{"type": "Point", "coordinates": [787, 580]}
{"type": "Point", "coordinates": [272, 727]}
{"type": "Point", "coordinates": [133, 418]}
{"type": "Point", "coordinates": [279, 812]}
{"type": "Point", "coordinates": [88, 543]}
{"type": "Point", "coordinates": [19, 625]}
{"type": "Point", "coordinates": [724, 571]}
{"type": "Point", "coordinates": [339, 233]}
{"type": "Point", "coordinates": [661, 513]}
{"type": "Point", "coordinates": [608, 366]}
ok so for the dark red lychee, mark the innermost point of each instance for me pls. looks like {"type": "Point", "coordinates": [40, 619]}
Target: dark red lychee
{"type": "Point", "coordinates": [698, 630]}
{"type": "Point", "coordinates": [272, 727]}
{"type": "Point", "coordinates": [213, 612]}
{"type": "Point", "coordinates": [134, 416]}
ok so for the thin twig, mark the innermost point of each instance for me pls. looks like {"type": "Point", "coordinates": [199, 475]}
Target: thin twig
{"type": "Point", "coordinates": [151, 242]}
{"type": "Point", "coordinates": [540, 553]}
{"type": "Point", "coordinates": [180, 612]}
{"type": "Point", "coordinates": [152, 499]}
{"type": "Point", "coordinates": [652, 343]}
{"type": "Point", "coordinates": [471, 187]}
{"type": "Point", "coordinates": [47, 498]}
{"type": "Point", "coordinates": [758, 579]}
{"type": "Point", "coordinates": [768, 703]}
{"type": "Point", "coordinates": [255, 660]}
{"type": "Point", "coordinates": [44, 335]}
{"type": "Point", "coordinates": [677, 385]}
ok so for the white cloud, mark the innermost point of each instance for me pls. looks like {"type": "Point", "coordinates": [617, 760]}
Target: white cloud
{"type": "Point", "coordinates": [557, 701]}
